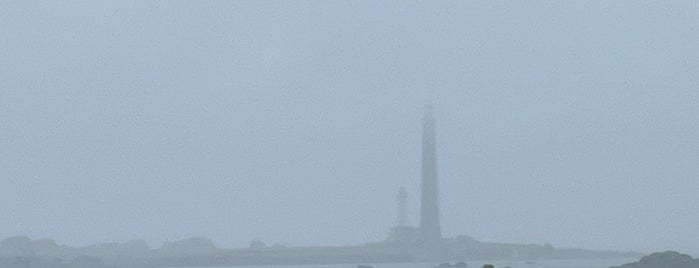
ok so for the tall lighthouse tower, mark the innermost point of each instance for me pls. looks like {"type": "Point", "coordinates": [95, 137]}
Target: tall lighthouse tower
{"type": "Point", "coordinates": [430, 230]}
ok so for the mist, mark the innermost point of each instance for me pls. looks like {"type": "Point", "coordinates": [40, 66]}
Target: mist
{"type": "Point", "coordinates": [567, 123]}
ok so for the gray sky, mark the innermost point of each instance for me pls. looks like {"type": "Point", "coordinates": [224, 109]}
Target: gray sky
{"type": "Point", "coordinates": [558, 121]}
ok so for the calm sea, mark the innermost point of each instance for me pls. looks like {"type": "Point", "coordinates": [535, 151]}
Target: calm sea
{"type": "Point", "coordinates": [471, 264]}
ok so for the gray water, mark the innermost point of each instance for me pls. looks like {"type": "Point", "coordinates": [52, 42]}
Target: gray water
{"type": "Point", "coordinates": [472, 264]}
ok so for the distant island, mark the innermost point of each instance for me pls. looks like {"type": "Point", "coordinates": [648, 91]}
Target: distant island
{"type": "Point", "coordinates": [23, 252]}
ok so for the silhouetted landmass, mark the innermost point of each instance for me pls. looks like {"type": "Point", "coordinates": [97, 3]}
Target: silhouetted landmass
{"type": "Point", "coordinates": [189, 246]}
{"type": "Point", "coordinates": [667, 259]}
{"type": "Point", "coordinates": [22, 252]}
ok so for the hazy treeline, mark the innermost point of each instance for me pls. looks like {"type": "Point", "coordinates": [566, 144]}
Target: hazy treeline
{"type": "Point", "coordinates": [21, 251]}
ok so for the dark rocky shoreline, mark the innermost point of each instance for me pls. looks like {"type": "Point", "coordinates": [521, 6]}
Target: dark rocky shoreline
{"type": "Point", "coordinates": [667, 259]}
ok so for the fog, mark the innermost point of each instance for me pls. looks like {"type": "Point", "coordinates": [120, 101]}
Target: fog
{"type": "Point", "coordinates": [567, 123]}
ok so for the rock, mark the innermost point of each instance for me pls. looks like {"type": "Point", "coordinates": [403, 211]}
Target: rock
{"type": "Point", "coordinates": [664, 260]}
{"type": "Point", "coordinates": [460, 264]}
{"type": "Point", "coordinates": [444, 265]}
{"type": "Point", "coordinates": [488, 266]}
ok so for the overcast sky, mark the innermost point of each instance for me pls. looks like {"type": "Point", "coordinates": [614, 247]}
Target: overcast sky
{"type": "Point", "coordinates": [570, 123]}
